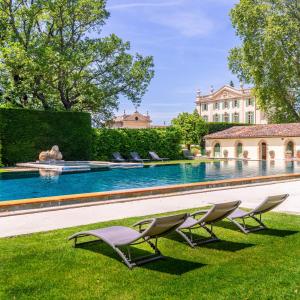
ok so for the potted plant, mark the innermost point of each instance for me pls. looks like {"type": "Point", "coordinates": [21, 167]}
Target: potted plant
{"type": "Point", "coordinates": [245, 154]}
{"type": "Point", "coordinates": [208, 153]}
{"type": "Point", "coordinates": [225, 153]}
{"type": "Point", "coordinates": [272, 154]}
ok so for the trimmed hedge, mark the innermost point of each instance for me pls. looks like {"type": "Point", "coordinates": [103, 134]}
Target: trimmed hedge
{"type": "Point", "coordinates": [25, 133]}
{"type": "Point", "coordinates": [165, 142]}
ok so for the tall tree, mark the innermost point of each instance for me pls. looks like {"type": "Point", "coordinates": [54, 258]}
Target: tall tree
{"type": "Point", "coordinates": [191, 126]}
{"type": "Point", "coordinates": [52, 56]}
{"type": "Point", "coordinates": [269, 57]}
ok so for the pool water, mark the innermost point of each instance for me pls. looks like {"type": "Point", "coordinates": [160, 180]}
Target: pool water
{"type": "Point", "coordinates": [32, 185]}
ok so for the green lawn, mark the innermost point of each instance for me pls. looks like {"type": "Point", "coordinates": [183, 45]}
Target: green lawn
{"type": "Point", "coordinates": [262, 265]}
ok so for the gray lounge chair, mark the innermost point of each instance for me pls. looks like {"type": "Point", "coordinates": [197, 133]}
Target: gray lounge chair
{"type": "Point", "coordinates": [136, 157]}
{"type": "Point", "coordinates": [122, 237]}
{"type": "Point", "coordinates": [187, 154]}
{"type": "Point", "coordinates": [207, 217]}
{"type": "Point", "coordinates": [268, 204]}
{"type": "Point", "coordinates": [154, 156]}
{"type": "Point", "coordinates": [118, 157]}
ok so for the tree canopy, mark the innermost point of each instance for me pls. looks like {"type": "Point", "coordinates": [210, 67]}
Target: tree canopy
{"type": "Point", "coordinates": [269, 56]}
{"type": "Point", "coordinates": [52, 56]}
{"type": "Point", "coordinates": [191, 126]}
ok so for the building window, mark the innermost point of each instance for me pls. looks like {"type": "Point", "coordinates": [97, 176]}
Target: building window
{"type": "Point", "coordinates": [216, 118]}
{"type": "Point", "coordinates": [225, 105]}
{"type": "Point", "coordinates": [235, 103]}
{"type": "Point", "coordinates": [249, 102]}
{"type": "Point", "coordinates": [217, 150]}
{"type": "Point", "coordinates": [290, 148]}
{"type": "Point", "coordinates": [236, 118]}
{"type": "Point", "coordinates": [216, 105]}
{"type": "Point", "coordinates": [250, 117]}
{"type": "Point", "coordinates": [205, 118]}
{"type": "Point", "coordinates": [239, 150]}
{"type": "Point", "coordinates": [226, 118]}
{"type": "Point", "coordinates": [204, 107]}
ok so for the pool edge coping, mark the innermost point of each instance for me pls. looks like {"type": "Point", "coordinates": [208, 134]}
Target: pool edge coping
{"type": "Point", "coordinates": [108, 197]}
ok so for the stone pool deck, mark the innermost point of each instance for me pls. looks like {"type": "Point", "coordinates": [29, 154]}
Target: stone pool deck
{"type": "Point", "coordinates": [49, 220]}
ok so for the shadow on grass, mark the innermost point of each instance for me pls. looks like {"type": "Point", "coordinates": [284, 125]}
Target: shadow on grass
{"type": "Point", "coordinates": [267, 231]}
{"type": "Point", "coordinates": [218, 245]}
{"type": "Point", "coordinates": [173, 266]}
{"type": "Point", "coordinates": [168, 265]}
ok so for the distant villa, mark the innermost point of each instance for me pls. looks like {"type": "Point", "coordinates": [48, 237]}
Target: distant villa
{"type": "Point", "coordinates": [230, 105]}
{"type": "Point", "coordinates": [135, 120]}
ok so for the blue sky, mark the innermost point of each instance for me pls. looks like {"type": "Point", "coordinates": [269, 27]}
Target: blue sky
{"type": "Point", "coordinates": [189, 40]}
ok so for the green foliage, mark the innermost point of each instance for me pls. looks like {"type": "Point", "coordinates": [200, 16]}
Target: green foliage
{"type": "Point", "coordinates": [191, 126]}
{"type": "Point", "coordinates": [165, 142]}
{"type": "Point", "coordinates": [25, 133]}
{"type": "Point", "coordinates": [52, 57]}
{"type": "Point", "coordinates": [269, 56]}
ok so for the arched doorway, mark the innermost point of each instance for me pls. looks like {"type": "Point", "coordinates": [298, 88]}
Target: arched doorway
{"type": "Point", "coordinates": [263, 151]}
{"type": "Point", "coordinates": [239, 150]}
{"type": "Point", "coordinates": [217, 150]}
{"type": "Point", "coordinates": [290, 148]}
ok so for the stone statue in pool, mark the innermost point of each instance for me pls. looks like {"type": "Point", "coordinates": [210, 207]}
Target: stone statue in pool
{"type": "Point", "coordinates": [51, 155]}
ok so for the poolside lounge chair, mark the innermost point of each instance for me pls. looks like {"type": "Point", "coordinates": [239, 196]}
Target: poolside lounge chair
{"type": "Point", "coordinates": [120, 236]}
{"type": "Point", "coordinates": [154, 156]}
{"type": "Point", "coordinates": [207, 217]}
{"type": "Point", "coordinates": [268, 204]}
{"type": "Point", "coordinates": [118, 157]}
{"type": "Point", "coordinates": [187, 154]}
{"type": "Point", "coordinates": [136, 157]}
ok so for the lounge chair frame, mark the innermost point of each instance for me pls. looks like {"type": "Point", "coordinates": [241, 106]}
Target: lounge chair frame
{"type": "Point", "coordinates": [206, 223]}
{"type": "Point", "coordinates": [142, 238]}
{"type": "Point", "coordinates": [256, 214]}
{"type": "Point", "coordinates": [155, 156]}
{"type": "Point", "coordinates": [137, 158]}
{"type": "Point", "coordinates": [117, 157]}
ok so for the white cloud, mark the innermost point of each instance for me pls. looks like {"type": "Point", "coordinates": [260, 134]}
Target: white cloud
{"type": "Point", "coordinates": [189, 24]}
{"type": "Point", "coordinates": [131, 5]}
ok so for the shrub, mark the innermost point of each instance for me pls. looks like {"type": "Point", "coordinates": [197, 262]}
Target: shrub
{"type": "Point", "coordinates": [165, 142]}
{"type": "Point", "coordinates": [25, 133]}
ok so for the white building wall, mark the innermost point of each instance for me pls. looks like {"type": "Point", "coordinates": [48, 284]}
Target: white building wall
{"type": "Point", "coordinates": [253, 146]}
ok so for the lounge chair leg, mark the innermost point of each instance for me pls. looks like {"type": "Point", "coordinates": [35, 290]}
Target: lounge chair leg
{"type": "Point", "coordinates": [125, 259]}
{"type": "Point", "coordinates": [154, 246]}
{"type": "Point", "coordinates": [187, 239]}
{"type": "Point", "coordinates": [259, 221]}
{"type": "Point", "coordinates": [242, 228]}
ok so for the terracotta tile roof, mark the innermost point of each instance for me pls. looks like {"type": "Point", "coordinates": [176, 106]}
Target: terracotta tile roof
{"type": "Point", "coordinates": [258, 131]}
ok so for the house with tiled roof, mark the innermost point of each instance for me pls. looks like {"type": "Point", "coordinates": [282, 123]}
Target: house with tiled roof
{"type": "Point", "coordinates": [135, 120]}
{"type": "Point", "coordinates": [258, 142]}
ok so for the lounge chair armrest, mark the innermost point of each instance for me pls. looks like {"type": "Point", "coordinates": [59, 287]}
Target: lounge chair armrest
{"type": "Point", "coordinates": [142, 223]}
{"type": "Point", "coordinates": [148, 221]}
{"type": "Point", "coordinates": [199, 212]}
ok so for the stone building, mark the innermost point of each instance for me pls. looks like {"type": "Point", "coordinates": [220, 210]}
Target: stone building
{"type": "Point", "coordinates": [257, 142]}
{"type": "Point", "coordinates": [231, 105]}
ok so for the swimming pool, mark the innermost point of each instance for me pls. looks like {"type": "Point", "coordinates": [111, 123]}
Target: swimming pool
{"type": "Point", "coordinates": [33, 185]}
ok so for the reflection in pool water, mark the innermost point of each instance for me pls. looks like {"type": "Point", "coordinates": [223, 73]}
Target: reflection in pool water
{"type": "Point", "coordinates": [31, 185]}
